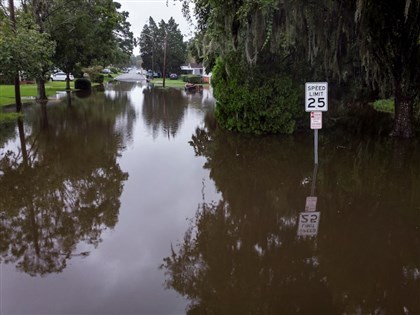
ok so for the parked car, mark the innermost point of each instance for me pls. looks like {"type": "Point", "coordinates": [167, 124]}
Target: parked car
{"type": "Point", "coordinates": [60, 76]}
{"type": "Point", "coordinates": [150, 74]}
{"type": "Point", "coordinates": [173, 76]}
{"type": "Point", "coordinates": [106, 71]}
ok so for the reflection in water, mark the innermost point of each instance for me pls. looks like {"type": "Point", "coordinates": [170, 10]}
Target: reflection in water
{"type": "Point", "coordinates": [308, 222]}
{"type": "Point", "coordinates": [164, 109]}
{"type": "Point", "coordinates": [241, 255]}
{"type": "Point", "coordinates": [57, 191]}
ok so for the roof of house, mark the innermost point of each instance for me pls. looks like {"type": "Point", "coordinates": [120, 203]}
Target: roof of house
{"type": "Point", "coordinates": [192, 65]}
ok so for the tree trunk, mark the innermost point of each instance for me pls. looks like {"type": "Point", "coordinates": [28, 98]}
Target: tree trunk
{"type": "Point", "coordinates": [68, 82]}
{"type": "Point", "coordinates": [403, 121]}
{"type": "Point", "coordinates": [18, 99]}
{"type": "Point", "coordinates": [42, 95]}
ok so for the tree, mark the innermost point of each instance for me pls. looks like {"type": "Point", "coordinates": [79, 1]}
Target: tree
{"type": "Point", "coordinates": [78, 25]}
{"type": "Point", "coordinates": [390, 48]}
{"type": "Point", "coordinates": [344, 42]}
{"type": "Point", "coordinates": [153, 40]}
{"type": "Point", "coordinates": [24, 48]}
{"type": "Point", "coordinates": [148, 45]}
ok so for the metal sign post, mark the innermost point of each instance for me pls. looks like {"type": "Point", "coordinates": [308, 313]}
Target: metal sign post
{"type": "Point", "coordinates": [316, 102]}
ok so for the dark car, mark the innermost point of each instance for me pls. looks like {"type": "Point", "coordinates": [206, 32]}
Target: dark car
{"type": "Point", "coordinates": [173, 76]}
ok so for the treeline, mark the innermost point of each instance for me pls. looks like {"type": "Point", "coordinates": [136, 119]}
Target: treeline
{"type": "Point", "coordinates": [162, 46]}
{"type": "Point", "coordinates": [39, 35]}
{"type": "Point", "coordinates": [263, 51]}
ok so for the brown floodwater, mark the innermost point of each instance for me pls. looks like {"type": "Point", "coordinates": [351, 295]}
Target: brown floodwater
{"type": "Point", "coordinates": [130, 200]}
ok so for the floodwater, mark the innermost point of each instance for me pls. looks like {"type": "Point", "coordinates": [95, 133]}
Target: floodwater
{"type": "Point", "coordinates": [131, 201]}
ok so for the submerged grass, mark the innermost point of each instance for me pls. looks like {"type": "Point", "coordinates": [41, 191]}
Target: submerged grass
{"type": "Point", "coordinates": [9, 117]}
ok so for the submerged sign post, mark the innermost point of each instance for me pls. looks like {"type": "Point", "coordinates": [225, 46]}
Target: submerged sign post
{"type": "Point", "coordinates": [316, 102]}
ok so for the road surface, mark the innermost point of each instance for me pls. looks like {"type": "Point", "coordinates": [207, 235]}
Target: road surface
{"type": "Point", "coordinates": [132, 76]}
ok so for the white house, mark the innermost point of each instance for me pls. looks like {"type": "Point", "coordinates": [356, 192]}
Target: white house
{"type": "Point", "coordinates": [192, 68]}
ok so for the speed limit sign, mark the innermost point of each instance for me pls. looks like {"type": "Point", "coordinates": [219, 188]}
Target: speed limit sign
{"type": "Point", "coordinates": [316, 96]}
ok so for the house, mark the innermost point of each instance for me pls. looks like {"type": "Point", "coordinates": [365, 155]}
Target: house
{"type": "Point", "coordinates": [192, 68]}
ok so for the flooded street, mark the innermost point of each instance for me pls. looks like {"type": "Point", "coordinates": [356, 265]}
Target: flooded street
{"type": "Point", "coordinates": [131, 201]}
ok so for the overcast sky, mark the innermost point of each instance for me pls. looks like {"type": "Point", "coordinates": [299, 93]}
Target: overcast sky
{"type": "Point", "coordinates": [141, 10]}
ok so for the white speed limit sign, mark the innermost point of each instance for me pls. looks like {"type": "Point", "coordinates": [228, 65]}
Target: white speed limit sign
{"type": "Point", "coordinates": [316, 96]}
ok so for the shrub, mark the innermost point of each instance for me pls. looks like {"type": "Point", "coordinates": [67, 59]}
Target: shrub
{"type": "Point", "coordinates": [114, 70]}
{"type": "Point", "coordinates": [94, 74]}
{"type": "Point", "coordinates": [98, 79]}
{"type": "Point", "coordinates": [191, 78]}
{"type": "Point", "coordinates": [82, 84]}
{"type": "Point", "coordinates": [252, 100]}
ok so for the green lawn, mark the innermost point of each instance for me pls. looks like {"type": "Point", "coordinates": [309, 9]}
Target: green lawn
{"type": "Point", "coordinates": [386, 106]}
{"type": "Point", "coordinates": [171, 83]}
{"type": "Point", "coordinates": [28, 91]}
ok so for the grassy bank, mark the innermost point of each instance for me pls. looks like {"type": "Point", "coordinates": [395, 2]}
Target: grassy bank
{"type": "Point", "coordinates": [171, 83]}
{"type": "Point", "coordinates": [28, 91]}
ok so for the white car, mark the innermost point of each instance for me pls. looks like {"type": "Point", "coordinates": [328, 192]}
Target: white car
{"type": "Point", "coordinates": [60, 76]}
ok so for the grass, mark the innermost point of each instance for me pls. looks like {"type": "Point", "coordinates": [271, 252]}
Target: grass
{"type": "Point", "coordinates": [386, 106]}
{"type": "Point", "coordinates": [7, 92]}
{"type": "Point", "coordinates": [171, 83]}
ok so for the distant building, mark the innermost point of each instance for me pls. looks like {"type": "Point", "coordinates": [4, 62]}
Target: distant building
{"type": "Point", "coordinates": [192, 68]}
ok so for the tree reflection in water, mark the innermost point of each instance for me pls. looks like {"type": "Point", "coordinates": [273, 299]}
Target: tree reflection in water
{"type": "Point", "coordinates": [241, 255]}
{"type": "Point", "coordinates": [62, 184]}
{"type": "Point", "coordinates": [164, 110]}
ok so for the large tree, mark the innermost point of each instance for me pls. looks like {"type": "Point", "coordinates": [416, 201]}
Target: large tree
{"type": "Point", "coordinates": [345, 41]}
{"type": "Point", "coordinates": [24, 49]}
{"type": "Point", "coordinates": [78, 25]}
{"type": "Point", "coordinates": [153, 40]}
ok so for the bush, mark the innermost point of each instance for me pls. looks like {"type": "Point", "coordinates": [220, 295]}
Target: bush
{"type": "Point", "coordinates": [98, 78]}
{"type": "Point", "coordinates": [253, 100]}
{"type": "Point", "coordinates": [82, 84]}
{"type": "Point", "coordinates": [191, 78]}
{"type": "Point", "coordinates": [94, 74]}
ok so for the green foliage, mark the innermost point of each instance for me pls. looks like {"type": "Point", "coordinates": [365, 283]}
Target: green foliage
{"type": "Point", "coordinates": [152, 42]}
{"type": "Point", "coordinates": [94, 73]}
{"type": "Point", "coordinates": [254, 102]}
{"type": "Point", "coordinates": [366, 47]}
{"type": "Point", "coordinates": [384, 106]}
{"type": "Point", "coordinates": [114, 70]}
{"type": "Point", "coordinates": [79, 25]}
{"type": "Point", "coordinates": [7, 118]}
{"type": "Point", "coordinates": [24, 48]}
{"type": "Point", "coordinates": [99, 79]}
{"type": "Point", "coordinates": [191, 78]}
{"type": "Point", "coordinates": [82, 84]}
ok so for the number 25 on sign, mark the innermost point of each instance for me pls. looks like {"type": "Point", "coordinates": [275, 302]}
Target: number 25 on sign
{"type": "Point", "coordinates": [316, 96]}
